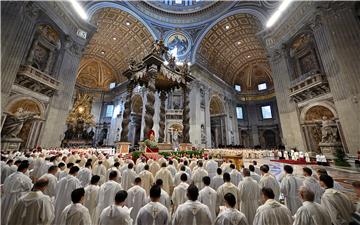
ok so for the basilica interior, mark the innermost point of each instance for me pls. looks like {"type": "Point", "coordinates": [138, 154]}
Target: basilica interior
{"type": "Point", "coordinates": [245, 74]}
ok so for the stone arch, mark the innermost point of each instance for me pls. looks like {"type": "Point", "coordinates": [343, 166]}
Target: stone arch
{"type": "Point", "coordinates": [216, 106]}
{"type": "Point", "coordinates": [328, 107]}
{"type": "Point", "coordinates": [27, 103]}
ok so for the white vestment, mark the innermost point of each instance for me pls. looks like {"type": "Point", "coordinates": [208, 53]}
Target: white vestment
{"type": "Point", "coordinates": [192, 213]}
{"type": "Point", "coordinates": [172, 170]}
{"type": "Point", "coordinates": [90, 201]}
{"type": "Point", "coordinates": [15, 185]}
{"type": "Point", "coordinates": [84, 176]}
{"type": "Point", "coordinates": [267, 180]}
{"type": "Point", "coordinates": [147, 180]}
{"type": "Point", "coordinates": [216, 182]}
{"type": "Point", "coordinates": [33, 208]}
{"type": "Point", "coordinates": [255, 176]}
{"type": "Point", "coordinates": [179, 194]}
{"type": "Point", "coordinates": [231, 217]}
{"type": "Point", "coordinates": [100, 170]}
{"type": "Point", "coordinates": [290, 188]}
{"type": "Point", "coordinates": [236, 177]}
{"type": "Point", "coordinates": [198, 176]}
{"type": "Point", "coordinates": [273, 213]}
{"type": "Point", "coordinates": [165, 175]}
{"type": "Point", "coordinates": [136, 199]}
{"type": "Point", "coordinates": [227, 187]}
{"type": "Point", "coordinates": [128, 178]}
{"type": "Point", "coordinates": [139, 167]}
{"type": "Point", "coordinates": [211, 167]}
{"type": "Point", "coordinates": [118, 178]}
{"type": "Point", "coordinates": [115, 215]}
{"type": "Point", "coordinates": [312, 213]}
{"type": "Point", "coordinates": [106, 195]}
{"type": "Point", "coordinates": [249, 198]}
{"type": "Point", "coordinates": [63, 194]}
{"type": "Point", "coordinates": [313, 184]}
{"type": "Point", "coordinates": [153, 213]}
{"type": "Point", "coordinates": [208, 196]}
{"type": "Point", "coordinates": [50, 189]}
{"type": "Point", "coordinates": [75, 214]}
{"type": "Point", "coordinates": [338, 205]}
{"type": "Point", "coordinates": [154, 167]}
{"type": "Point", "coordinates": [177, 180]}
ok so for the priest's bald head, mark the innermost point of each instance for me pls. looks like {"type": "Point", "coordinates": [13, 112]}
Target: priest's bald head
{"type": "Point", "coordinates": [41, 184]}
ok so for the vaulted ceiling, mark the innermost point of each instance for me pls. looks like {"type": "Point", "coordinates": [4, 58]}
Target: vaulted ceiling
{"type": "Point", "coordinates": [119, 37]}
{"type": "Point", "coordinates": [232, 51]}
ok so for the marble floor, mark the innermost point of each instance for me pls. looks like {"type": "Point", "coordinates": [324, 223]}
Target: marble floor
{"type": "Point", "coordinates": [343, 176]}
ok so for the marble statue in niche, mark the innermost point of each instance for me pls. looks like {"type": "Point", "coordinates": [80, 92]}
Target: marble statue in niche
{"type": "Point", "coordinates": [329, 131]}
{"type": "Point", "coordinates": [202, 98]}
{"type": "Point", "coordinates": [15, 122]}
{"type": "Point", "coordinates": [203, 134]}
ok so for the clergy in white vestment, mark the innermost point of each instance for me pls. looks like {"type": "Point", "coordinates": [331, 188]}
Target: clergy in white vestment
{"type": "Point", "coordinates": [179, 193]}
{"type": "Point", "coordinates": [117, 213]}
{"type": "Point", "coordinates": [14, 187]}
{"type": "Point", "coordinates": [178, 174]}
{"type": "Point", "coordinates": [107, 192]}
{"type": "Point", "coordinates": [313, 184]}
{"type": "Point", "coordinates": [198, 175]}
{"type": "Point", "coordinates": [235, 175]}
{"type": "Point", "coordinates": [147, 179]}
{"type": "Point", "coordinates": [272, 212]}
{"type": "Point", "coordinates": [290, 186]}
{"type": "Point", "coordinates": [337, 186]}
{"type": "Point", "coordinates": [128, 177]}
{"type": "Point", "coordinates": [208, 196]}
{"type": "Point", "coordinates": [76, 213]}
{"type": "Point", "coordinates": [192, 212]}
{"type": "Point", "coordinates": [63, 192]}
{"type": "Point", "coordinates": [230, 215]}
{"type": "Point", "coordinates": [140, 166]}
{"type": "Point", "coordinates": [85, 174]}
{"type": "Point", "coordinates": [254, 175]}
{"type": "Point", "coordinates": [269, 181]}
{"type": "Point", "coordinates": [115, 167]}
{"type": "Point", "coordinates": [249, 196]}
{"type": "Point", "coordinates": [153, 213]}
{"type": "Point", "coordinates": [227, 187]}
{"type": "Point", "coordinates": [154, 168]}
{"type": "Point", "coordinates": [336, 203]}
{"type": "Point", "coordinates": [136, 198]}
{"type": "Point", "coordinates": [164, 196]}
{"type": "Point", "coordinates": [165, 175]}
{"type": "Point", "coordinates": [211, 167]}
{"type": "Point", "coordinates": [6, 170]}
{"type": "Point", "coordinates": [91, 196]}
{"type": "Point", "coordinates": [51, 177]}
{"type": "Point", "coordinates": [217, 180]}
{"type": "Point", "coordinates": [100, 170]}
{"type": "Point", "coordinates": [62, 171]}
{"type": "Point", "coordinates": [257, 169]}
{"type": "Point", "coordinates": [310, 213]}
{"type": "Point", "coordinates": [34, 207]}
{"type": "Point", "coordinates": [172, 168]}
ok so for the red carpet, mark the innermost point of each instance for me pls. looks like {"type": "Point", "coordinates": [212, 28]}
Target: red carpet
{"type": "Point", "coordinates": [293, 161]}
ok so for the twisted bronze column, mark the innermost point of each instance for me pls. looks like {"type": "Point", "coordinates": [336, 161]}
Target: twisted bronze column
{"type": "Point", "coordinates": [186, 115]}
{"type": "Point", "coordinates": [149, 107]}
{"type": "Point", "coordinates": [162, 117]}
{"type": "Point", "coordinates": [126, 115]}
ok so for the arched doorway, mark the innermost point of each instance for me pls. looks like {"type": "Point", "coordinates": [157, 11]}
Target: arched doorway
{"type": "Point", "coordinates": [269, 138]}
{"type": "Point", "coordinates": [311, 125]}
{"type": "Point", "coordinates": [31, 129]}
{"type": "Point", "coordinates": [136, 117]}
{"type": "Point", "coordinates": [244, 138]}
{"type": "Point", "coordinates": [217, 122]}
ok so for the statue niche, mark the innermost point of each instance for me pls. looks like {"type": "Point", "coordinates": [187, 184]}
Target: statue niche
{"type": "Point", "coordinates": [79, 121]}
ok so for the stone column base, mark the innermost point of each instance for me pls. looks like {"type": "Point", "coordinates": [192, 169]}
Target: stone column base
{"type": "Point", "coordinates": [122, 147]}
{"type": "Point", "coordinates": [11, 144]}
{"type": "Point", "coordinates": [329, 149]}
